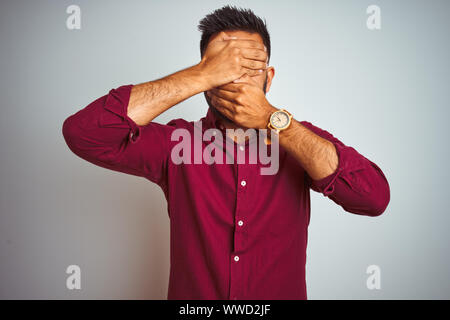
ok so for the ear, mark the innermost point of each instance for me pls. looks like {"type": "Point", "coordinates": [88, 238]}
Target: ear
{"type": "Point", "coordinates": [270, 74]}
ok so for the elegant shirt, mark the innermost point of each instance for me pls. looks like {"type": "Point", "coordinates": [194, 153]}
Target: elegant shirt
{"type": "Point", "coordinates": [234, 232]}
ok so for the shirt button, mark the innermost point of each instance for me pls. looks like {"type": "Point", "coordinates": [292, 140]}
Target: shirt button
{"type": "Point", "coordinates": [240, 223]}
{"type": "Point", "coordinates": [236, 258]}
{"type": "Point", "coordinates": [241, 148]}
{"type": "Point", "coordinates": [243, 183]}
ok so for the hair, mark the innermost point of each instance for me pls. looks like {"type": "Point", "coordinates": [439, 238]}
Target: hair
{"type": "Point", "coordinates": [232, 19]}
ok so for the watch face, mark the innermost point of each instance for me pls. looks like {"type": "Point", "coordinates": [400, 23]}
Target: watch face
{"type": "Point", "coordinates": [279, 119]}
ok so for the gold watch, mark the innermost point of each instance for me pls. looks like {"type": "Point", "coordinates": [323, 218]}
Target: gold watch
{"type": "Point", "coordinates": [279, 120]}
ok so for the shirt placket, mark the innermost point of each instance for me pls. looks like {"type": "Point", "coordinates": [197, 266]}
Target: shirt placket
{"type": "Point", "coordinates": [237, 256]}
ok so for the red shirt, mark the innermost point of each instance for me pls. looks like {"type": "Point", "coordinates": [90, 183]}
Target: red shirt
{"type": "Point", "coordinates": [234, 233]}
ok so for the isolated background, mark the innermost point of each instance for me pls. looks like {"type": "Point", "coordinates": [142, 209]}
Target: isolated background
{"type": "Point", "coordinates": [385, 92]}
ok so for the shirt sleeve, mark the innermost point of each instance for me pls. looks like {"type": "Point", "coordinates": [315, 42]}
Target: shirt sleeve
{"type": "Point", "coordinates": [358, 185]}
{"type": "Point", "coordinates": [103, 134]}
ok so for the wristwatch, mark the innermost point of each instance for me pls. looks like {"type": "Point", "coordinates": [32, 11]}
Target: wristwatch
{"type": "Point", "coordinates": [279, 120]}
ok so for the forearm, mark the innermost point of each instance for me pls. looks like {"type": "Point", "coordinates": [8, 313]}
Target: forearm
{"type": "Point", "coordinates": [104, 135]}
{"type": "Point", "coordinates": [97, 132]}
{"type": "Point", "coordinates": [344, 175]}
{"type": "Point", "coordinates": [317, 155]}
{"type": "Point", "coordinates": [150, 99]}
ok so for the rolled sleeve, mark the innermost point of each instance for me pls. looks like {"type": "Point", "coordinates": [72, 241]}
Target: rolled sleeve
{"type": "Point", "coordinates": [326, 185]}
{"type": "Point", "coordinates": [103, 134]}
{"type": "Point", "coordinates": [116, 103]}
{"type": "Point", "coordinates": [358, 185]}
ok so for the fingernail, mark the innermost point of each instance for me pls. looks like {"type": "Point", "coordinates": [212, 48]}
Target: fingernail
{"type": "Point", "coordinates": [265, 49]}
{"type": "Point", "coordinates": [260, 70]}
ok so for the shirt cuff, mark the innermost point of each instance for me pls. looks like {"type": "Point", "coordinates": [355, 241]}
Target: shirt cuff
{"type": "Point", "coordinates": [117, 105]}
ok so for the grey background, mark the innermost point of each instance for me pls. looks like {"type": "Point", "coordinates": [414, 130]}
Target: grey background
{"type": "Point", "coordinates": [383, 92]}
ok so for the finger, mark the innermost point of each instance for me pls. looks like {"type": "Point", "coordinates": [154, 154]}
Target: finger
{"type": "Point", "coordinates": [229, 87]}
{"type": "Point", "coordinates": [251, 44]}
{"type": "Point", "coordinates": [224, 94]}
{"type": "Point", "coordinates": [225, 38]}
{"type": "Point", "coordinates": [248, 80]}
{"type": "Point", "coordinates": [245, 80]}
{"type": "Point", "coordinates": [222, 36]}
{"type": "Point", "coordinates": [253, 64]}
{"type": "Point", "coordinates": [240, 80]}
{"type": "Point", "coordinates": [252, 73]}
{"type": "Point", "coordinates": [254, 54]}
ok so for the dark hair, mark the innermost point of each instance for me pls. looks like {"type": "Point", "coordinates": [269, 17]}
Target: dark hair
{"type": "Point", "coordinates": [232, 18]}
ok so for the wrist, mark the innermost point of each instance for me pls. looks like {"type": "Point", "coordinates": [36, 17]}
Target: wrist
{"type": "Point", "coordinates": [202, 76]}
{"type": "Point", "coordinates": [269, 111]}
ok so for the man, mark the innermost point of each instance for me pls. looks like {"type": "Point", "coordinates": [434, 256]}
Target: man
{"type": "Point", "coordinates": [235, 233]}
